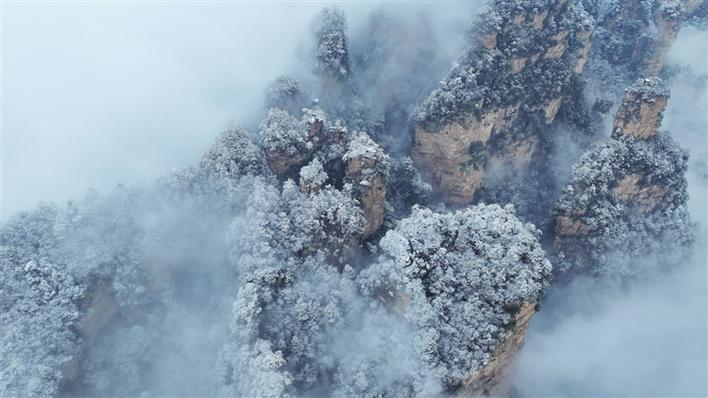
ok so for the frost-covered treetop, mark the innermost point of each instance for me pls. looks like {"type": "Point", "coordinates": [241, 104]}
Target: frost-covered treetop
{"type": "Point", "coordinates": [292, 224]}
{"type": "Point", "coordinates": [671, 9]}
{"type": "Point", "coordinates": [234, 154]}
{"type": "Point", "coordinates": [282, 132]}
{"type": "Point", "coordinates": [283, 86]}
{"type": "Point", "coordinates": [486, 238]}
{"type": "Point", "coordinates": [492, 18]}
{"type": "Point", "coordinates": [316, 114]}
{"type": "Point", "coordinates": [647, 89]}
{"type": "Point", "coordinates": [460, 277]}
{"type": "Point", "coordinates": [290, 296]}
{"type": "Point", "coordinates": [38, 304]}
{"type": "Point", "coordinates": [362, 146]}
{"type": "Point", "coordinates": [314, 173]}
{"type": "Point", "coordinates": [50, 259]}
{"type": "Point", "coordinates": [593, 177]}
{"type": "Point", "coordinates": [331, 22]}
{"type": "Point", "coordinates": [332, 56]}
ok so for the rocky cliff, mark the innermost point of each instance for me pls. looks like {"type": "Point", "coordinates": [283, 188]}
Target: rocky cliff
{"type": "Point", "coordinates": [367, 172]}
{"type": "Point", "coordinates": [487, 125]}
{"type": "Point", "coordinates": [640, 113]}
{"type": "Point", "coordinates": [332, 154]}
{"type": "Point", "coordinates": [637, 34]}
{"type": "Point", "coordinates": [492, 109]}
{"type": "Point", "coordinates": [493, 379]}
{"type": "Point", "coordinates": [477, 138]}
{"type": "Point", "coordinates": [627, 192]}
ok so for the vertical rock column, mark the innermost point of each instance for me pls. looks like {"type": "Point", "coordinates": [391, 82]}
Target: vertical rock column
{"type": "Point", "coordinates": [492, 380]}
{"type": "Point", "coordinates": [668, 22]}
{"type": "Point", "coordinates": [627, 193]}
{"type": "Point", "coordinates": [367, 172]}
{"type": "Point", "coordinates": [492, 108]}
{"type": "Point", "coordinates": [668, 17]}
{"type": "Point", "coordinates": [640, 112]}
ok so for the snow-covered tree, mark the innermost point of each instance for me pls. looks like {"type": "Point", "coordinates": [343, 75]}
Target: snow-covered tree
{"type": "Point", "coordinates": [233, 155]}
{"type": "Point", "coordinates": [406, 187]}
{"type": "Point", "coordinates": [626, 197]}
{"type": "Point", "coordinates": [52, 259]}
{"type": "Point", "coordinates": [289, 290]}
{"type": "Point", "coordinates": [312, 177]}
{"type": "Point", "coordinates": [484, 79]}
{"type": "Point", "coordinates": [288, 249]}
{"type": "Point", "coordinates": [39, 303]}
{"type": "Point", "coordinates": [459, 278]}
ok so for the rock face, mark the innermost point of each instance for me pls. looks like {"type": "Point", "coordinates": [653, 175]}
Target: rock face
{"type": "Point", "coordinates": [667, 19]}
{"type": "Point", "coordinates": [491, 380]}
{"type": "Point", "coordinates": [100, 308]}
{"type": "Point", "coordinates": [640, 112]}
{"type": "Point", "coordinates": [322, 152]}
{"type": "Point", "coordinates": [490, 112]}
{"type": "Point", "coordinates": [625, 193]}
{"type": "Point", "coordinates": [367, 170]}
{"type": "Point", "coordinates": [639, 33]}
{"type": "Point", "coordinates": [289, 143]}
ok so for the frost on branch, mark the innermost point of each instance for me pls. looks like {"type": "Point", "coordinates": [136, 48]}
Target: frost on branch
{"type": "Point", "coordinates": [459, 278]}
